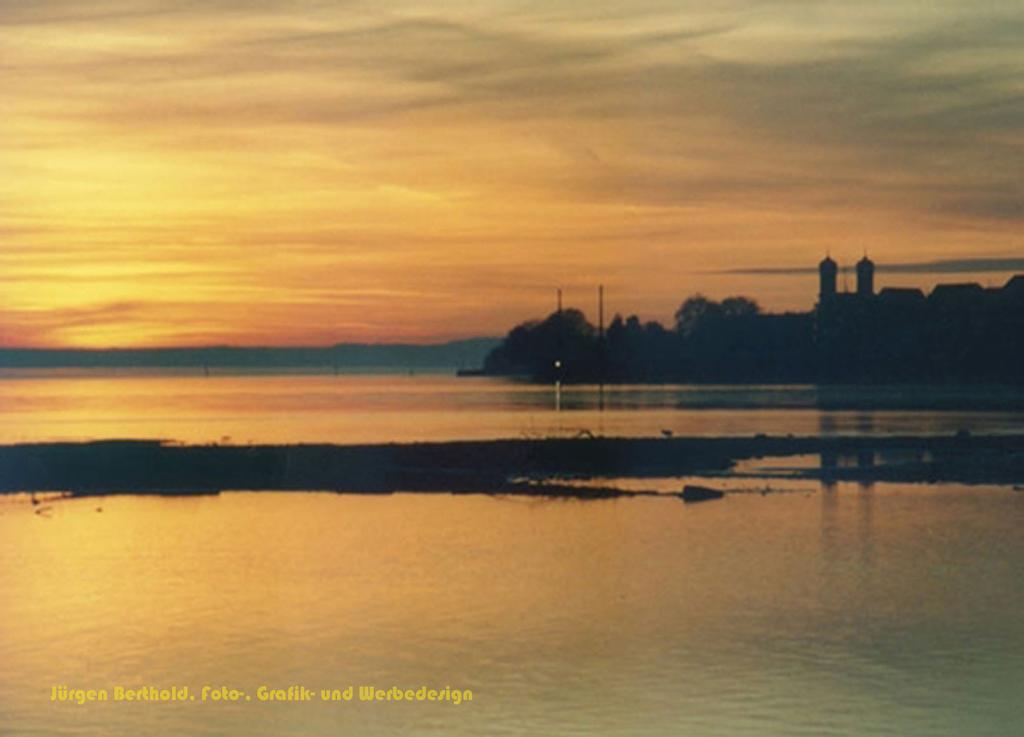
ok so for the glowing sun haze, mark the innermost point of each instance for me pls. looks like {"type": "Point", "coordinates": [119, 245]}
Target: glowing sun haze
{"type": "Point", "coordinates": [271, 172]}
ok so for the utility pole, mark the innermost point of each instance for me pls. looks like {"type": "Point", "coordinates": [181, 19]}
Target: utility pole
{"type": "Point", "coordinates": [600, 347]}
{"type": "Point", "coordinates": [558, 356]}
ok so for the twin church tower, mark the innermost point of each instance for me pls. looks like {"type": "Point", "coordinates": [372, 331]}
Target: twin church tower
{"type": "Point", "coordinates": [828, 272]}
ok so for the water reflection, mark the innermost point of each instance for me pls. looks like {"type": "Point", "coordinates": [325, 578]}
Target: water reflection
{"type": "Point", "coordinates": [389, 408]}
{"type": "Point", "coordinates": [889, 611]}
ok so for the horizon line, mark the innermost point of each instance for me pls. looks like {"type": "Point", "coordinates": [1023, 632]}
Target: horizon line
{"type": "Point", "coordinates": [264, 347]}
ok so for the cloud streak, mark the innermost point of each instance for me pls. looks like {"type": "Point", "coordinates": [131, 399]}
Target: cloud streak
{"type": "Point", "coordinates": [323, 161]}
{"type": "Point", "coordinates": [948, 266]}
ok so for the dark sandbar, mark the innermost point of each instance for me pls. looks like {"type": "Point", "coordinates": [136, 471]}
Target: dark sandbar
{"type": "Point", "coordinates": [499, 466]}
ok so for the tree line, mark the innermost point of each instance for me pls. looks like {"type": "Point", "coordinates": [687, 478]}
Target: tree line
{"type": "Point", "coordinates": [731, 340]}
{"type": "Point", "coordinates": [968, 337]}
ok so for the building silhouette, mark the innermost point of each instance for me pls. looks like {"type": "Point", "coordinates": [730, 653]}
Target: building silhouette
{"type": "Point", "coordinates": [828, 273]}
{"type": "Point", "coordinates": [957, 332]}
{"type": "Point", "coordinates": [865, 277]}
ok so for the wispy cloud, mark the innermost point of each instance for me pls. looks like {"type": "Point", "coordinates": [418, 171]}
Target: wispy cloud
{"type": "Point", "coordinates": [948, 266]}
{"type": "Point", "coordinates": [322, 161]}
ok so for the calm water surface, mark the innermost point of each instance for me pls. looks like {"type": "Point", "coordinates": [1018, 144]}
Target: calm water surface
{"type": "Point", "coordinates": [54, 405]}
{"type": "Point", "coordinates": [892, 610]}
{"type": "Point", "coordinates": [889, 611]}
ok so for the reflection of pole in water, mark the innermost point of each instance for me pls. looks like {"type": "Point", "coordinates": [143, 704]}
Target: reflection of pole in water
{"type": "Point", "coordinates": [826, 422]}
{"type": "Point", "coordinates": [866, 465]}
{"type": "Point", "coordinates": [558, 386]}
{"type": "Point", "coordinates": [866, 527]}
{"type": "Point", "coordinates": [831, 543]}
{"type": "Point", "coordinates": [829, 463]}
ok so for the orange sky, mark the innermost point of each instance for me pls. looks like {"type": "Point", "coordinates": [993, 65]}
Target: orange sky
{"type": "Point", "coordinates": [310, 172]}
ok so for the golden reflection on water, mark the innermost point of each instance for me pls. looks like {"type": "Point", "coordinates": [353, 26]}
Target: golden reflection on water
{"type": "Point", "coordinates": [895, 608]}
{"type": "Point", "coordinates": [281, 408]}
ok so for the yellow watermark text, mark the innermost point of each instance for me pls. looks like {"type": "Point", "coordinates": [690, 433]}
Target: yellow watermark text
{"type": "Point", "coordinates": [293, 693]}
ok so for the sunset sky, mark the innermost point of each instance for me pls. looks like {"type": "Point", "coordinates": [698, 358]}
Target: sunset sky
{"type": "Point", "coordinates": [270, 172]}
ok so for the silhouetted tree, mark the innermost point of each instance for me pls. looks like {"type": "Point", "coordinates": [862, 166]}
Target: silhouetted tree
{"type": "Point", "coordinates": [696, 311]}
{"type": "Point", "coordinates": [740, 307]}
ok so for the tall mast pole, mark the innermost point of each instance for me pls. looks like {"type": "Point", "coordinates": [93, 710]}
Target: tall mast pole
{"type": "Point", "coordinates": [600, 346]}
{"type": "Point", "coordinates": [558, 356]}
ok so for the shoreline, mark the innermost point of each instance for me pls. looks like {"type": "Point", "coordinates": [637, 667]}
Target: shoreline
{"type": "Point", "coordinates": [527, 467]}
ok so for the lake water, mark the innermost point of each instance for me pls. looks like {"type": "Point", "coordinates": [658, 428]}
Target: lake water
{"type": "Point", "coordinates": [889, 611]}
{"type": "Point", "coordinates": [243, 408]}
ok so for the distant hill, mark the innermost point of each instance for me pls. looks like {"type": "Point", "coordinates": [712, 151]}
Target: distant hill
{"type": "Point", "coordinates": [468, 353]}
